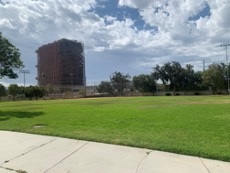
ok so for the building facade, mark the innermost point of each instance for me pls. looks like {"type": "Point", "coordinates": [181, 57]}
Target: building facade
{"type": "Point", "coordinates": [61, 64]}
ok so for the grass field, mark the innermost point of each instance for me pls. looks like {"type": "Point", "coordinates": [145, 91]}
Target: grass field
{"type": "Point", "coordinates": [196, 125]}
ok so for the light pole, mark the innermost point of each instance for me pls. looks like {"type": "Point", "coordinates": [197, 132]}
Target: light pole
{"type": "Point", "coordinates": [226, 49]}
{"type": "Point", "coordinates": [24, 72]}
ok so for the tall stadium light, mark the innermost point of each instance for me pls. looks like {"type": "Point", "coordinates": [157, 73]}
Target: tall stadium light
{"type": "Point", "coordinates": [226, 50]}
{"type": "Point", "coordinates": [24, 72]}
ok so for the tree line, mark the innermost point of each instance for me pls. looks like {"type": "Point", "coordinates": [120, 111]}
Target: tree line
{"type": "Point", "coordinates": [14, 91]}
{"type": "Point", "coordinates": [173, 76]}
{"type": "Point", "coordinates": [10, 61]}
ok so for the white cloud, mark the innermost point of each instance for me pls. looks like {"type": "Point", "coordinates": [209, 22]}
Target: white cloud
{"type": "Point", "coordinates": [136, 3]}
{"type": "Point", "coordinates": [119, 44]}
{"type": "Point", "coordinates": [190, 38]}
{"type": "Point", "coordinates": [29, 24]}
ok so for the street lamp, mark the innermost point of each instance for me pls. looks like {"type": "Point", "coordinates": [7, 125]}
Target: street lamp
{"type": "Point", "coordinates": [226, 49]}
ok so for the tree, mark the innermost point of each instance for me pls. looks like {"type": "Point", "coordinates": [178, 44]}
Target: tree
{"type": "Point", "coordinates": [120, 81]}
{"type": "Point", "coordinates": [171, 72]}
{"type": "Point", "coordinates": [191, 80]}
{"type": "Point", "coordinates": [216, 77]}
{"type": "Point", "coordinates": [105, 87]}
{"type": "Point", "coordinates": [15, 90]}
{"type": "Point", "coordinates": [178, 77]}
{"type": "Point", "coordinates": [2, 91]}
{"type": "Point", "coordinates": [34, 92]}
{"type": "Point", "coordinates": [144, 83]}
{"type": "Point", "coordinates": [38, 92]}
{"type": "Point", "coordinates": [29, 93]}
{"type": "Point", "coordinates": [9, 59]}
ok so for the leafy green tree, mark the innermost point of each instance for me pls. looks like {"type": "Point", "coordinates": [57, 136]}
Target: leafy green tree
{"type": "Point", "coordinates": [120, 81]}
{"type": "Point", "coordinates": [144, 83]}
{"type": "Point", "coordinates": [178, 77]}
{"type": "Point", "coordinates": [105, 87]}
{"type": "Point", "coordinates": [15, 90]}
{"type": "Point", "coordinates": [216, 77]}
{"type": "Point", "coordinates": [9, 59]}
{"type": "Point", "coordinates": [29, 92]}
{"type": "Point", "coordinates": [34, 92]}
{"type": "Point", "coordinates": [191, 80]}
{"type": "Point", "coordinates": [39, 92]}
{"type": "Point", "coordinates": [171, 72]}
{"type": "Point", "coordinates": [2, 91]}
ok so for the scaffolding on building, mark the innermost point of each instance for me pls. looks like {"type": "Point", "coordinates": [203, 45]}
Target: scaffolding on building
{"type": "Point", "coordinates": [61, 64]}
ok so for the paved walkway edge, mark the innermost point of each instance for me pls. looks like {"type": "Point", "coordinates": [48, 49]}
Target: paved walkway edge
{"type": "Point", "coordinates": [27, 153]}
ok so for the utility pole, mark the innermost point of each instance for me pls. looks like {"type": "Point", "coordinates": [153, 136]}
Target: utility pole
{"type": "Point", "coordinates": [226, 49]}
{"type": "Point", "coordinates": [24, 72]}
{"type": "Point", "coordinates": [204, 65]}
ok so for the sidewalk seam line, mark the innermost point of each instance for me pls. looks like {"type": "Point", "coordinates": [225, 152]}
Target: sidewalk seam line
{"type": "Point", "coordinates": [205, 165]}
{"type": "Point", "coordinates": [66, 157]}
{"type": "Point", "coordinates": [140, 162]}
{"type": "Point", "coordinates": [7, 161]}
{"type": "Point", "coordinates": [8, 169]}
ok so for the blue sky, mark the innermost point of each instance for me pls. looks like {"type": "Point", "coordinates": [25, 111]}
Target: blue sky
{"type": "Point", "coordinates": [130, 36]}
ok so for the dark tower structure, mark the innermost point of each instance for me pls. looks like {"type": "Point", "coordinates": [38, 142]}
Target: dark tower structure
{"type": "Point", "coordinates": [61, 64]}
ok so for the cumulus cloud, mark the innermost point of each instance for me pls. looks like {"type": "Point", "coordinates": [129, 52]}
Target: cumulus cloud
{"type": "Point", "coordinates": [186, 31]}
{"type": "Point", "coordinates": [173, 18]}
{"type": "Point", "coordinates": [29, 24]}
{"type": "Point", "coordinates": [135, 3]}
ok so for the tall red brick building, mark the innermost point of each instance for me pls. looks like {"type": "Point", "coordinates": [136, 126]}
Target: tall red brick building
{"type": "Point", "coordinates": [61, 63]}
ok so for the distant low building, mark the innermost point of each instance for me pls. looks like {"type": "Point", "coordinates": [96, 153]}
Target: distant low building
{"type": "Point", "coordinates": [61, 63]}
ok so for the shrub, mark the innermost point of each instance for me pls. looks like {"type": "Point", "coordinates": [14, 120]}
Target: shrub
{"type": "Point", "coordinates": [168, 94]}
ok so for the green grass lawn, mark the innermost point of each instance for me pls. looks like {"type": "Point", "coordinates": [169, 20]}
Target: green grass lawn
{"type": "Point", "coordinates": [196, 125]}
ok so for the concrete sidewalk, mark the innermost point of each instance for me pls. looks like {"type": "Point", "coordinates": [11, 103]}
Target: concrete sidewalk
{"type": "Point", "coordinates": [42, 154]}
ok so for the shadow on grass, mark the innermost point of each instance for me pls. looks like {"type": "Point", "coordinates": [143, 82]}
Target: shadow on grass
{"type": "Point", "coordinates": [6, 115]}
